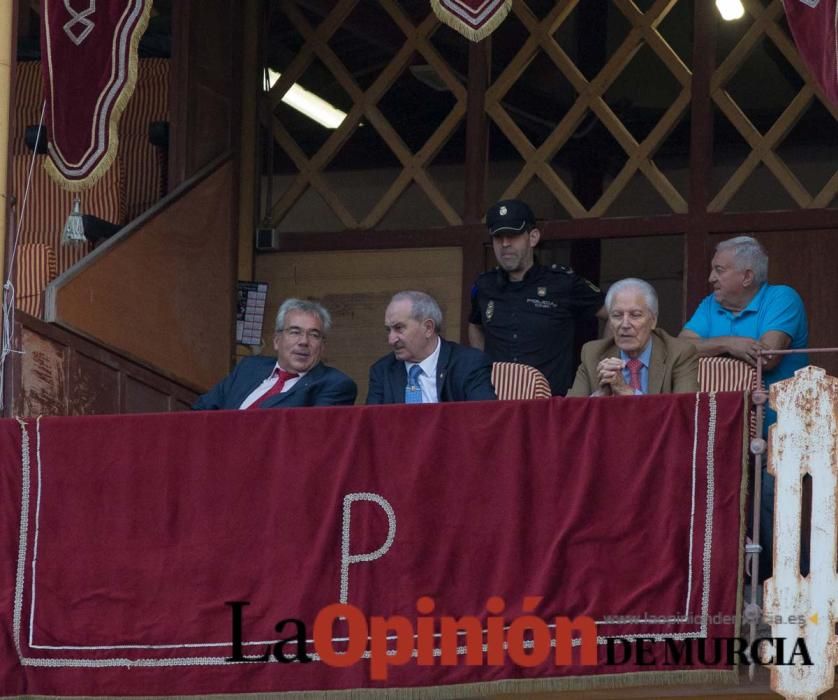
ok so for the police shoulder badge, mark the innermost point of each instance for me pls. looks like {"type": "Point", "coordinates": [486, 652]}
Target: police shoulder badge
{"type": "Point", "coordinates": [542, 291]}
{"type": "Point", "coordinates": [502, 211]}
{"type": "Point", "coordinates": [490, 310]}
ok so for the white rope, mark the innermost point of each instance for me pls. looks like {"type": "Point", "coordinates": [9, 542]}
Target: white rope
{"type": "Point", "coordinates": [26, 192]}
{"type": "Point", "coordinates": [8, 286]}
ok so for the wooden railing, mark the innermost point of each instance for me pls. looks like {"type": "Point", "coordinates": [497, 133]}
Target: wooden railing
{"type": "Point", "coordinates": [60, 373]}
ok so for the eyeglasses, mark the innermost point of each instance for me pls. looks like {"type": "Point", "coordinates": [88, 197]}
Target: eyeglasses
{"type": "Point", "coordinates": [295, 333]}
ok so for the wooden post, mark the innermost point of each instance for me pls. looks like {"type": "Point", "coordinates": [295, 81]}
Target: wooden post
{"type": "Point", "coordinates": [701, 158]}
{"type": "Point", "coordinates": [477, 154]}
{"type": "Point", "coordinates": [7, 44]}
{"type": "Point", "coordinates": [249, 186]}
{"type": "Point", "coordinates": [588, 174]}
{"type": "Point", "coordinates": [477, 142]}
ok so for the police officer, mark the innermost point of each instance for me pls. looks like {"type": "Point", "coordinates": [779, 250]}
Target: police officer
{"type": "Point", "coordinates": [522, 312]}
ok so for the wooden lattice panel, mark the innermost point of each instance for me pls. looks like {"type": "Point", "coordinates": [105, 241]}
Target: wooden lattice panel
{"type": "Point", "coordinates": [414, 166]}
{"type": "Point", "coordinates": [644, 31]}
{"type": "Point", "coordinates": [763, 146]}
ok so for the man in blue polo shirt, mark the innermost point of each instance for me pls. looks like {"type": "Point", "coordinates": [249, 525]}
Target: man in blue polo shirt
{"type": "Point", "coordinates": [745, 314]}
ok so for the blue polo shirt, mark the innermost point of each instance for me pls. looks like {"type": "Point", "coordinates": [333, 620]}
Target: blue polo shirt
{"type": "Point", "coordinates": [775, 307]}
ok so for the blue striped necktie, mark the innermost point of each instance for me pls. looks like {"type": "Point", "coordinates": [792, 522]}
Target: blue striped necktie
{"type": "Point", "coordinates": [413, 392]}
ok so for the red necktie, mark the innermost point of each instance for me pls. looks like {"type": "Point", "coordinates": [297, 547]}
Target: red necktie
{"type": "Point", "coordinates": [634, 366]}
{"type": "Point", "coordinates": [275, 389]}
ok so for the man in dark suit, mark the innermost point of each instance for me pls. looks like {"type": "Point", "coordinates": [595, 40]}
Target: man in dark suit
{"type": "Point", "coordinates": [296, 378]}
{"type": "Point", "coordinates": [423, 367]}
{"type": "Point", "coordinates": [639, 358]}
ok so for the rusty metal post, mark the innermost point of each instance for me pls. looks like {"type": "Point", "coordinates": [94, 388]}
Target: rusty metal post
{"type": "Point", "coordinates": [805, 441]}
{"type": "Point", "coordinates": [757, 447]}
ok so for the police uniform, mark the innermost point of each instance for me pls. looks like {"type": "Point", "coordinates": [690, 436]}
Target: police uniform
{"type": "Point", "coordinates": [532, 321]}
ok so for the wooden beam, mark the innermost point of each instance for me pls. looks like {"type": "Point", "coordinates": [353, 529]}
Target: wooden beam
{"type": "Point", "coordinates": [474, 256]}
{"type": "Point", "coordinates": [701, 157]}
{"type": "Point", "coordinates": [477, 141]}
{"type": "Point", "coordinates": [375, 240]}
{"type": "Point", "coordinates": [756, 222]}
{"type": "Point", "coordinates": [8, 49]}
{"type": "Point", "coordinates": [253, 19]}
{"type": "Point", "coordinates": [569, 229]}
{"type": "Point", "coordinates": [620, 227]}
{"type": "Point", "coordinates": [179, 94]}
{"type": "Point", "coordinates": [477, 167]}
{"type": "Point", "coordinates": [588, 167]}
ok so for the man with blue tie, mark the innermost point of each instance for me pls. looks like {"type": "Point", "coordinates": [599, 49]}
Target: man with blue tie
{"type": "Point", "coordinates": [295, 377]}
{"type": "Point", "coordinates": [424, 367]}
{"type": "Point", "coordinates": [639, 358]}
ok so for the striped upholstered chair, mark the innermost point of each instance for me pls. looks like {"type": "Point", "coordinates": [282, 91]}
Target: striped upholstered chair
{"type": "Point", "coordinates": [727, 374]}
{"type": "Point", "coordinates": [515, 381]}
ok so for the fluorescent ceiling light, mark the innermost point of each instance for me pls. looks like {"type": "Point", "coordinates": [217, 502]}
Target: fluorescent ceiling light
{"type": "Point", "coordinates": [308, 103]}
{"type": "Point", "coordinates": [730, 9]}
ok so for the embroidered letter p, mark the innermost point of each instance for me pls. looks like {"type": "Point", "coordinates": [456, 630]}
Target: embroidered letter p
{"type": "Point", "coordinates": [347, 558]}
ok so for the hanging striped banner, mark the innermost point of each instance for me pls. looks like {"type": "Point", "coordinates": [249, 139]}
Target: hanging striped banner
{"type": "Point", "coordinates": [474, 19]}
{"type": "Point", "coordinates": [89, 67]}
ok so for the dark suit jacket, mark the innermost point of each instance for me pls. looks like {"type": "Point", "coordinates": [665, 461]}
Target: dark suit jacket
{"type": "Point", "coordinates": [322, 386]}
{"type": "Point", "coordinates": [673, 365]}
{"type": "Point", "coordinates": [462, 374]}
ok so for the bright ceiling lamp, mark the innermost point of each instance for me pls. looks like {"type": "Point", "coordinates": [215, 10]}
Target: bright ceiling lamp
{"type": "Point", "coordinates": [730, 9]}
{"type": "Point", "coordinates": [308, 103]}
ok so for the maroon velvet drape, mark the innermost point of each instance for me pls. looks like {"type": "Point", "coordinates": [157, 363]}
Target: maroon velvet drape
{"type": "Point", "coordinates": [124, 536]}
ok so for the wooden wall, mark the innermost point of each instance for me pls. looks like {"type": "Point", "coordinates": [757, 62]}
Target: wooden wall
{"type": "Point", "coordinates": [204, 86]}
{"type": "Point", "coordinates": [162, 290]}
{"type": "Point", "coordinates": [355, 286]}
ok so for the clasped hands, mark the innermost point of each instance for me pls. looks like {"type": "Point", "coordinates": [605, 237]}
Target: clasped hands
{"type": "Point", "coordinates": [610, 376]}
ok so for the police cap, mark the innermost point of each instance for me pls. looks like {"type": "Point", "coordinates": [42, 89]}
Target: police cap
{"type": "Point", "coordinates": [509, 216]}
